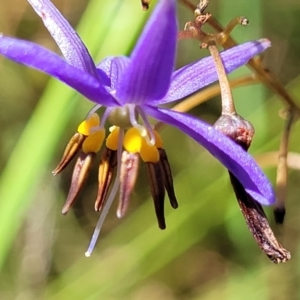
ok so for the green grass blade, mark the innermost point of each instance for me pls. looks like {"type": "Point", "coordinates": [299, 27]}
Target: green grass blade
{"type": "Point", "coordinates": [42, 133]}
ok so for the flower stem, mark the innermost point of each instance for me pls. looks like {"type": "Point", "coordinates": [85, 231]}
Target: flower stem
{"type": "Point", "coordinates": [228, 107]}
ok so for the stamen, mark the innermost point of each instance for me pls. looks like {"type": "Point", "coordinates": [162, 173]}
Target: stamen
{"type": "Point", "coordinates": [80, 174]}
{"type": "Point", "coordinates": [157, 188]}
{"type": "Point", "coordinates": [109, 202]}
{"type": "Point", "coordinates": [105, 176]}
{"type": "Point", "coordinates": [132, 140]}
{"type": "Point", "coordinates": [90, 122]}
{"type": "Point", "coordinates": [134, 143]}
{"type": "Point", "coordinates": [105, 116]}
{"type": "Point", "coordinates": [93, 110]}
{"type": "Point", "coordinates": [128, 175]}
{"type": "Point", "coordinates": [168, 179]}
{"type": "Point", "coordinates": [70, 152]}
{"type": "Point", "coordinates": [101, 123]}
{"type": "Point", "coordinates": [148, 152]}
{"type": "Point", "coordinates": [150, 137]}
{"type": "Point", "coordinates": [142, 130]}
{"type": "Point", "coordinates": [112, 141]}
{"type": "Point", "coordinates": [93, 142]}
{"type": "Point", "coordinates": [134, 122]}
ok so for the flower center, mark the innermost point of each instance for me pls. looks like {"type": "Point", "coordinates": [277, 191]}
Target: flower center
{"type": "Point", "coordinates": [138, 138]}
{"type": "Point", "coordinates": [127, 116]}
{"type": "Point", "coordinates": [127, 141]}
{"type": "Point", "coordinates": [122, 116]}
{"type": "Point", "coordinates": [133, 142]}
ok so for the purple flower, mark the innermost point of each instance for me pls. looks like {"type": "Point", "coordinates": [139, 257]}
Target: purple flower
{"type": "Point", "coordinates": [133, 89]}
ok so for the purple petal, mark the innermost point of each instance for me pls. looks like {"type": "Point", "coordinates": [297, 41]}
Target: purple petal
{"type": "Point", "coordinates": [232, 156]}
{"type": "Point", "coordinates": [193, 77]}
{"type": "Point", "coordinates": [149, 72]}
{"type": "Point", "coordinates": [34, 56]}
{"type": "Point", "coordinates": [113, 68]}
{"type": "Point", "coordinates": [65, 36]}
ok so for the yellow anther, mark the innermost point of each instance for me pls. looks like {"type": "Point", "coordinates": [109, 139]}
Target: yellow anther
{"type": "Point", "coordinates": [112, 139]}
{"type": "Point", "coordinates": [135, 143]}
{"type": "Point", "coordinates": [133, 140]}
{"type": "Point", "coordinates": [149, 153]}
{"type": "Point", "coordinates": [85, 126]}
{"type": "Point", "coordinates": [158, 140]}
{"type": "Point", "coordinates": [93, 142]}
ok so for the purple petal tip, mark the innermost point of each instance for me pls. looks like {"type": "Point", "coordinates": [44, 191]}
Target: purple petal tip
{"type": "Point", "coordinates": [266, 43]}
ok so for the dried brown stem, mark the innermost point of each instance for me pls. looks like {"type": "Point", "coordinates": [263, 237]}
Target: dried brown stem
{"type": "Point", "coordinates": [270, 159]}
{"type": "Point", "coordinates": [265, 76]}
{"type": "Point", "coordinates": [189, 4]}
{"type": "Point", "coordinates": [282, 169]}
{"type": "Point", "coordinates": [207, 93]}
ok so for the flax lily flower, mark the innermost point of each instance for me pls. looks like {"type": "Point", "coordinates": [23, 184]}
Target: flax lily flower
{"type": "Point", "coordinates": [132, 90]}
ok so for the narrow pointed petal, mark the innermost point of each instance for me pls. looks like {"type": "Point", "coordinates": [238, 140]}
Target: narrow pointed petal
{"type": "Point", "coordinates": [71, 150]}
{"type": "Point", "coordinates": [105, 174]}
{"type": "Point", "coordinates": [168, 178]}
{"type": "Point", "coordinates": [232, 156]}
{"type": "Point", "coordinates": [195, 76]}
{"type": "Point", "coordinates": [128, 175]}
{"type": "Point", "coordinates": [39, 58]}
{"type": "Point", "coordinates": [70, 44]}
{"type": "Point", "coordinates": [113, 68]}
{"type": "Point", "coordinates": [156, 180]}
{"type": "Point", "coordinates": [79, 177]}
{"type": "Point", "coordinates": [149, 73]}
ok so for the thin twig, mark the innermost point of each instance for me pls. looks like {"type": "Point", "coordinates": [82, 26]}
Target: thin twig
{"type": "Point", "coordinates": [266, 77]}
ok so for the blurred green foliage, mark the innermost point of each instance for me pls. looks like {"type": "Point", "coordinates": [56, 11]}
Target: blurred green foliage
{"type": "Point", "coordinates": [206, 252]}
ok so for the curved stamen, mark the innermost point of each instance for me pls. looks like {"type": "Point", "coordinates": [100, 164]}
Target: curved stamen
{"type": "Point", "coordinates": [100, 127]}
{"type": "Point", "coordinates": [109, 201]}
{"type": "Point", "coordinates": [105, 116]}
{"type": "Point", "coordinates": [93, 110]}
{"type": "Point", "coordinates": [134, 122]}
{"type": "Point", "coordinates": [150, 137]}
